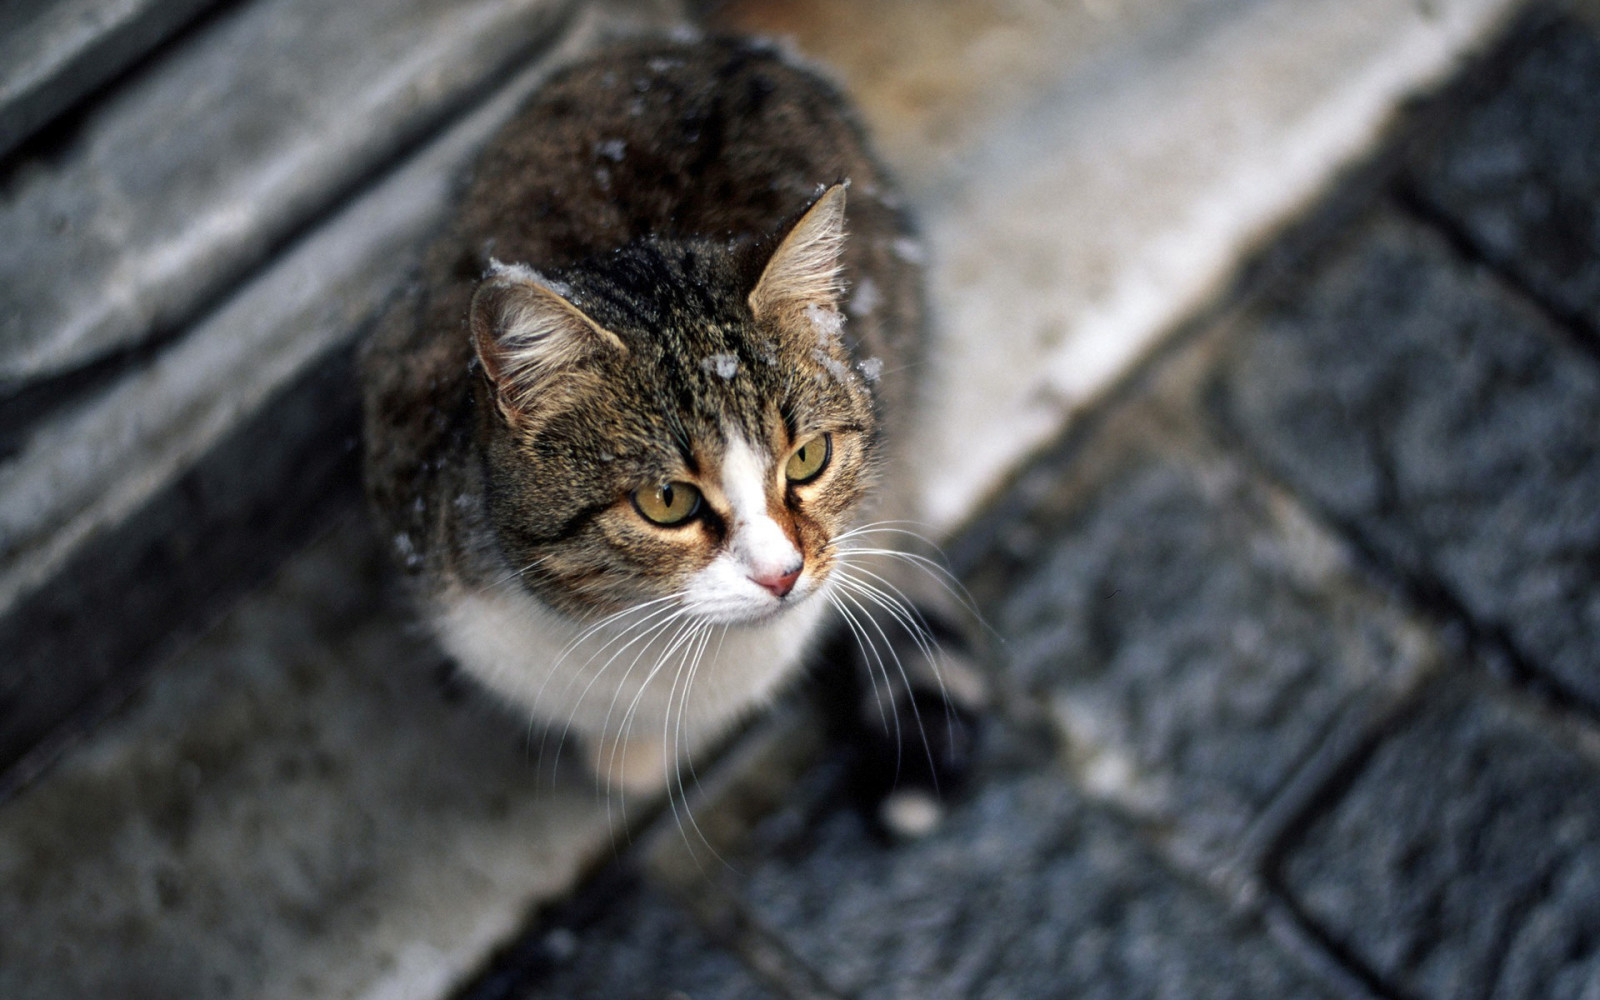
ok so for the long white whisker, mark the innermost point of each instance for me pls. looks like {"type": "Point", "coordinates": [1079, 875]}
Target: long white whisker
{"type": "Point", "coordinates": [685, 633]}
{"type": "Point", "coordinates": [903, 609]}
{"type": "Point", "coordinates": [656, 621]}
{"type": "Point", "coordinates": [935, 569]}
{"type": "Point", "coordinates": [849, 592]}
{"type": "Point", "coordinates": [869, 653]}
{"type": "Point", "coordinates": [680, 752]}
{"type": "Point", "coordinates": [638, 630]}
{"type": "Point", "coordinates": [851, 588]}
{"type": "Point", "coordinates": [912, 622]}
{"type": "Point", "coordinates": [688, 750]}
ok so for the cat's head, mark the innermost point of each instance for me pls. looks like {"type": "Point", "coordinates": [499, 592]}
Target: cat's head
{"type": "Point", "coordinates": [677, 422]}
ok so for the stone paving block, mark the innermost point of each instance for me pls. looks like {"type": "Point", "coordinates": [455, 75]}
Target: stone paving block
{"type": "Point", "coordinates": [52, 52]}
{"type": "Point", "coordinates": [1196, 635]}
{"type": "Point", "coordinates": [290, 809]}
{"type": "Point", "coordinates": [1464, 859]}
{"type": "Point", "coordinates": [1025, 892]}
{"type": "Point", "coordinates": [192, 171]}
{"type": "Point", "coordinates": [1448, 426]}
{"type": "Point", "coordinates": [638, 944]}
{"type": "Point", "coordinates": [1519, 173]}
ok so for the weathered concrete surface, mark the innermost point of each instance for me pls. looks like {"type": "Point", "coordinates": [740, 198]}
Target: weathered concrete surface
{"type": "Point", "coordinates": [1464, 859]}
{"type": "Point", "coordinates": [1117, 161]}
{"type": "Point", "coordinates": [52, 52]}
{"type": "Point", "coordinates": [291, 809]}
{"type": "Point", "coordinates": [192, 172]}
{"type": "Point", "coordinates": [140, 588]}
{"type": "Point", "coordinates": [1519, 175]}
{"type": "Point", "coordinates": [1449, 426]}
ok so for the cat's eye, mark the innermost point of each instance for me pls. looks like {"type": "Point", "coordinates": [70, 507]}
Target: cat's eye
{"type": "Point", "coordinates": [667, 504]}
{"type": "Point", "coordinates": [812, 457]}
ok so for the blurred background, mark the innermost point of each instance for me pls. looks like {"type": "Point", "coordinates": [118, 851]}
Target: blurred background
{"type": "Point", "coordinates": [1267, 362]}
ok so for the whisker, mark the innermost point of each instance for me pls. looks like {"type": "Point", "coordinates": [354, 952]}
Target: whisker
{"type": "Point", "coordinates": [937, 571]}
{"type": "Point", "coordinates": [686, 631]}
{"type": "Point", "coordinates": [849, 591]}
{"type": "Point", "coordinates": [681, 753]}
{"type": "Point", "coordinates": [644, 630]}
{"type": "Point", "coordinates": [851, 588]}
{"type": "Point", "coordinates": [869, 653]}
{"type": "Point", "coordinates": [515, 573]}
{"type": "Point", "coordinates": [896, 604]}
{"type": "Point", "coordinates": [915, 626]}
{"type": "Point", "coordinates": [722, 635]}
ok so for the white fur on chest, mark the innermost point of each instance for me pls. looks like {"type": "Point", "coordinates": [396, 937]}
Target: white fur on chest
{"type": "Point", "coordinates": [621, 682]}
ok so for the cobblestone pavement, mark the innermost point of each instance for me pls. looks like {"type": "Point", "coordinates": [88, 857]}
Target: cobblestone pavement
{"type": "Point", "coordinates": [1300, 662]}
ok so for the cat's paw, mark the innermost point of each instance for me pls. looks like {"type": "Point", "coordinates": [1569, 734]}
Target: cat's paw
{"type": "Point", "coordinates": [918, 758]}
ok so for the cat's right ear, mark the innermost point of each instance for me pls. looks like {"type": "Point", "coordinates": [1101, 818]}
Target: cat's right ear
{"type": "Point", "coordinates": [805, 268]}
{"type": "Point", "coordinates": [526, 333]}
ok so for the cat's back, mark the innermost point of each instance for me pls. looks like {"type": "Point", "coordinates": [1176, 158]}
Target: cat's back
{"type": "Point", "coordinates": [715, 138]}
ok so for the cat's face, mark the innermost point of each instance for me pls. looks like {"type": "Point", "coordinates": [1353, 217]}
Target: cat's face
{"type": "Point", "coordinates": [678, 424]}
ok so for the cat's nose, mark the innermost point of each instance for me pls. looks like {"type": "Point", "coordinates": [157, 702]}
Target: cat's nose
{"type": "Point", "coordinates": [778, 583]}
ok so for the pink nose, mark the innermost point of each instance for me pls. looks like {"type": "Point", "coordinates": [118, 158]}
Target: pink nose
{"type": "Point", "coordinates": [779, 584]}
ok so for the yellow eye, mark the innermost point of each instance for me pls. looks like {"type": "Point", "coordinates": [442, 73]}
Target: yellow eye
{"type": "Point", "coordinates": [667, 504]}
{"type": "Point", "coordinates": [808, 463]}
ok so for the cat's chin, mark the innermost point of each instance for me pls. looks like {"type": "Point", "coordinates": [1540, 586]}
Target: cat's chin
{"type": "Point", "coordinates": [742, 613]}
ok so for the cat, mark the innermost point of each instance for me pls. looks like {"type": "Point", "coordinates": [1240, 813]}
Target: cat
{"type": "Point", "coordinates": [642, 427]}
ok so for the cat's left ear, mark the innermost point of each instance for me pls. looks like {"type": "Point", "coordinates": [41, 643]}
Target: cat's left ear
{"type": "Point", "coordinates": [805, 269]}
{"type": "Point", "coordinates": [530, 340]}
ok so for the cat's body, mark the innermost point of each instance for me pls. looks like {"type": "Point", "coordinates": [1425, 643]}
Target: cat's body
{"type": "Point", "coordinates": [638, 313]}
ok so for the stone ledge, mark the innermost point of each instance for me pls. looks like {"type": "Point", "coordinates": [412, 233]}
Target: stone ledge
{"type": "Point", "coordinates": [55, 52]}
{"type": "Point", "coordinates": [291, 808]}
{"type": "Point", "coordinates": [1075, 218]}
{"type": "Point", "coordinates": [192, 171]}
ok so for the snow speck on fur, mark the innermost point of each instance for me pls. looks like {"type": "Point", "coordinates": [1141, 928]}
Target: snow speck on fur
{"type": "Point", "coordinates": [827, 322]}
{"type": "Point", "coordinates": [725, 365]}
{"type": "Point", "coordinates": [838, 369]}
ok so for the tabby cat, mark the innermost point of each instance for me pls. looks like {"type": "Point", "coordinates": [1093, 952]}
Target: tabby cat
{"type": "Point", "coordinates": [640, 430]}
